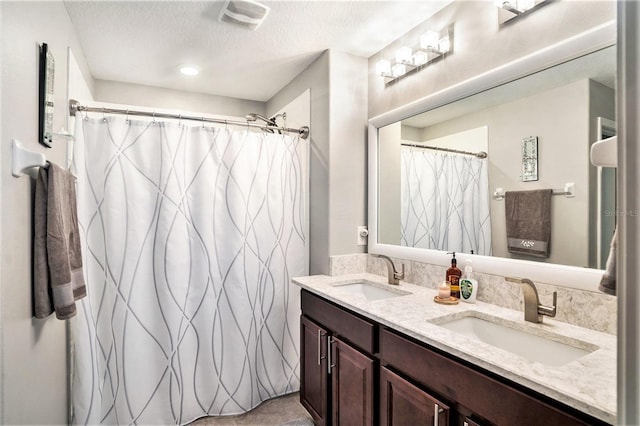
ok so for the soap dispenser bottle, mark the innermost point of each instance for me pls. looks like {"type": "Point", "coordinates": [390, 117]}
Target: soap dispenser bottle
{"type": "Point", "coordinates": [453, 276]}
{"type": "Point", "coordinates": [468, 284]}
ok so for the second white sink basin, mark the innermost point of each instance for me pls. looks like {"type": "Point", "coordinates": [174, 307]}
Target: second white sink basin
{"type": "Point", "coordinates": [543, 347]}
{"type": "Point", "coordinates": [370, 290]}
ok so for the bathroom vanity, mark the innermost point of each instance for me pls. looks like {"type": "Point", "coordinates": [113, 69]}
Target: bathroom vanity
{"type": "Point", "coordinates": [372, 353]}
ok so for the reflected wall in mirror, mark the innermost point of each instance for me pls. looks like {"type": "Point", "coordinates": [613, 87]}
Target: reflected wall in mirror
{"type": "Point", "coordinates": [442, 200]}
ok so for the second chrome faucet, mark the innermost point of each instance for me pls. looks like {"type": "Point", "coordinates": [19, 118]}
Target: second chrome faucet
{"type": "Point", "coordinates": [533, 310]}
{"type": "Point", "coordinates": [394, 276]}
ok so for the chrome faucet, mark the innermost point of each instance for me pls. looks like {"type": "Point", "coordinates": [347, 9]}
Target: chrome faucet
{"type": "Point", "coordinates": [533, 310]}
{"type": "Point", "coordinates": [394, 276]}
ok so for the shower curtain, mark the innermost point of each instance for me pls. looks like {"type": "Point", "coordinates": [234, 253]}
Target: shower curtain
{"type": "Point", "coordinates": [444, 201]}
{"type": "Point", "coordinates": [190, 236]}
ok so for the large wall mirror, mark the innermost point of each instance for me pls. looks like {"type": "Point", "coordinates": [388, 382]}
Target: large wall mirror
{"type": "Point", "coordinates": [440, 166]}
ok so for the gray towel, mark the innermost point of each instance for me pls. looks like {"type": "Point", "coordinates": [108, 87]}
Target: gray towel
{"type": "Point", "coordinates": [57, 260]}
{"type": "Point", "coordinates": [608, 281]}
{"type": "Point", "coordinates": [528, 217]}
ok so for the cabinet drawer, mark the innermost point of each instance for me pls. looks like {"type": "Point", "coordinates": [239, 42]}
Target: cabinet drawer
{"type": "Point", "coordinates": [358, 331]}
{"type": "Point", "coordinates": [495, 401]}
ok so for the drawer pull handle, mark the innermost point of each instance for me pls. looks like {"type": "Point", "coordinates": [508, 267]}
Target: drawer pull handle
{"type": "Point", "coordinates": [320, 357]}
{"type": "Point", "coordinates": [436, 414]}
{"type": "Point", "coordinates": [330, 364]}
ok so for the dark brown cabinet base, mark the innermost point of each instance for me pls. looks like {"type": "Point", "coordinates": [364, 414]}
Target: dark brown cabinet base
{"type": "Point", "coordinates": [380, 376]}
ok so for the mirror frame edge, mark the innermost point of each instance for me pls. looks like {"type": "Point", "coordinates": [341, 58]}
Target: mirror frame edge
{"type": "Point", "coordinates": [596, 38]}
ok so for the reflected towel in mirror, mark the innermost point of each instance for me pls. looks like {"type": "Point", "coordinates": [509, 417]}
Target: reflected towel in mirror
{"type": "Point", "coordinates": [528, 220]}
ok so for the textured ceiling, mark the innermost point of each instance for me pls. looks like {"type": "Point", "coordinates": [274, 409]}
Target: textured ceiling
{"type": "Point", "coordinates": [145, 42]}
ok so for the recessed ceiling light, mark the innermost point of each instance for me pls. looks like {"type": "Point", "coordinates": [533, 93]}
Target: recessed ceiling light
{"type": "Point", "coordinates": [189, 70]}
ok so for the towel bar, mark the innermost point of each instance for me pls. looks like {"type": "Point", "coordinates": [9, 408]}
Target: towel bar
{"type": "Point", "coordinates": [568, 191]}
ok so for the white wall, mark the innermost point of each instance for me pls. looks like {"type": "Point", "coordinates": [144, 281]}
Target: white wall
{"type": "Point", "coordinates": [174, 100]}
{"type": "Point", "coordinates": [34, 369]}
{"type": "Point", "coordinates": [348, 119]}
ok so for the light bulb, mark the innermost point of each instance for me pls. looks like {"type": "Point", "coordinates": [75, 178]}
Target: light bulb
{"type": "Point", "coordinates": [429, 40]}
{"type": "Point", "coordinates": [403, 54]}
{"type": "Point", "coordinates": [444, 45]}
{"type": "Point", "coordinates": [420, 58]}
{"type": "Point", "coordinates": [524, 5]}
{"type": "Point", "coordinates": [189, 70]}
{"type": "Point", "coordinates": [383, 67]}
{"type": "Point", "coordinates": [398, 70]}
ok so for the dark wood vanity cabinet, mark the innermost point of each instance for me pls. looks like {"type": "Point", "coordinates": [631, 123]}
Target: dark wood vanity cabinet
{"type": "Point", "coordinates": [357, 372]}
{"type": "Point", "coordinates": [338, 369]}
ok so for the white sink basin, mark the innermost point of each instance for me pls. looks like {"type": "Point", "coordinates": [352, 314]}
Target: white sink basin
{"type": "Point", "coordinates": [370, 290]}
{"type": "Point", "coordinates": [543, 347]}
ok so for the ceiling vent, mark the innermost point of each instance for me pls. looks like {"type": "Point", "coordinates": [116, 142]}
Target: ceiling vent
{"type": "Point", "coordinates": [245, 13]}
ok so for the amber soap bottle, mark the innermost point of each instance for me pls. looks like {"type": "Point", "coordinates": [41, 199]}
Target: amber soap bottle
{"type": "Point", "coordinates": [453, 276]}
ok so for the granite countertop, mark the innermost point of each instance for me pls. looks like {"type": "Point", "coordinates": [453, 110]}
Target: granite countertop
{"type": "Point", "coordinates": [587, 383]}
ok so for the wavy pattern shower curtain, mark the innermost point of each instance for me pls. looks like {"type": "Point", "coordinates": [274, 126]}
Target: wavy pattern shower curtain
{"type": "Point", "coordinates": [190, 236]}
{"type": "Point", "coordinates": [444, 201]}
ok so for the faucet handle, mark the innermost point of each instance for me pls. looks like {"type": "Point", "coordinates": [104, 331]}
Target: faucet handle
{"type": "Point", "coordinates": [399, 275]}
{"type": "Point", "coordinates": [549, 311]}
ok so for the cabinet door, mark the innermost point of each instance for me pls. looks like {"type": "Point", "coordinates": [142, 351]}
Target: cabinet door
{"type": "Point", "coordinates": [352, 385]}
{"type": "Point", "coordinates": [403, 404]}
{"type": "Point", "coordinates": [314, 391]}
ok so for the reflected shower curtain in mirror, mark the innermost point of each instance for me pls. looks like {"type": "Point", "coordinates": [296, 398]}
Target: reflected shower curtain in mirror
{"type": "Point", "coordinates": [444, 201]}
{"type": "Point", "coordinates": [190, 236]}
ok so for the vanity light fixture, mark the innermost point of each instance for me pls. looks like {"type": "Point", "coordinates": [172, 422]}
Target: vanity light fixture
{"type": "Point", "coordinates": [433, 45]}
{"type": "Point", "coordinates": [509, 9]}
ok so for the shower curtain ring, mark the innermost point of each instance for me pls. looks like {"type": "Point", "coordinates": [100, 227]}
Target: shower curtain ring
{"type": "Point", "coordinates": [203, 122]}
{"type": "Point", "coordinates": [104, 117]}
{"type": "Point", "coordinates": [154, 118]}
{"type": "Point", "coordinates": [180, 120]}
{"type": "Point", "coordinates": [126, 118]}
{"type": "Point", "coordinates": [226, 125]}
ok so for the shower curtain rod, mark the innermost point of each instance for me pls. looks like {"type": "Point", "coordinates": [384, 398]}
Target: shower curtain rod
{"type": "Point", "coordinates": [480, 154]}
{"type": "Point", "coordinates": [75, 107]}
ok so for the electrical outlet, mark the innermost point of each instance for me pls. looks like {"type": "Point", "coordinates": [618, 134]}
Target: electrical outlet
{"type": "Point", "coordinates": [363, 233]}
